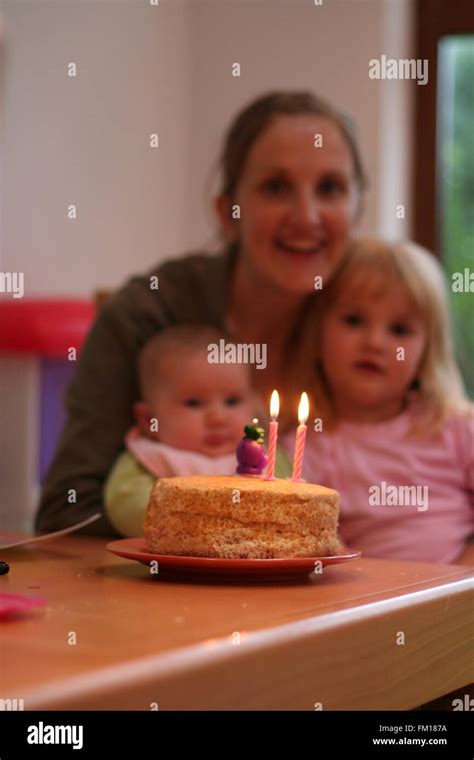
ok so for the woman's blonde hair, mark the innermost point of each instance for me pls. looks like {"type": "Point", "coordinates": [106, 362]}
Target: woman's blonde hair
{"type": "Point", "coordinates": [371, 268]}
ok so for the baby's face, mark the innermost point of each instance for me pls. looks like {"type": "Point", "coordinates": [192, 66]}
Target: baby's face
{"type": "Point", "coordinates": [202, 407]}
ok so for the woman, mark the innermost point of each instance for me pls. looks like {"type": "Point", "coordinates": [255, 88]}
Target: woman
{"type": "Point", "coordinates": [291, 195]}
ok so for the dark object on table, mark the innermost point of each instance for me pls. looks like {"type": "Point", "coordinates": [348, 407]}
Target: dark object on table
{"type": "Point", "coordinates": [4, 568]}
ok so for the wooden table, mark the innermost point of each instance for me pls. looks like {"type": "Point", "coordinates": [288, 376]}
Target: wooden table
{"type": "Point", "coordinates": [144, 643]}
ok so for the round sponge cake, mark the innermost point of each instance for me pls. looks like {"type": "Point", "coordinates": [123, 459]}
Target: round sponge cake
{"type": "Point", "coordinates": [241, 517]}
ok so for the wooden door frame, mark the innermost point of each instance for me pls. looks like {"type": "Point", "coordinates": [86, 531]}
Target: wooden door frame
{"type": "Point", "coordinates": [433, 19]}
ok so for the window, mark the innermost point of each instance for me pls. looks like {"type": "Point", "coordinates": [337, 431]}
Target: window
{"type": "Point", "coordinates": [455, 187]}
{"type": "Point", "coordinates": [444, 156]}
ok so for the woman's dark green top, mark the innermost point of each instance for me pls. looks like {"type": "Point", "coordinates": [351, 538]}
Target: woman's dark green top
{"type": "Point", "coordinates": [100, 397]}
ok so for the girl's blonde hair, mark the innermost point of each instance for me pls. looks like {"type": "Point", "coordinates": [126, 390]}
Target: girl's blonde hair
{"type": "Point", "coordinates": [371, 268]}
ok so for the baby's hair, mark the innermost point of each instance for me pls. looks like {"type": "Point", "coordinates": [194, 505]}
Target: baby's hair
{"type": "Point", "coordinates": [189, 339]}
{"type": "Point", "coordinates": [371, 268]}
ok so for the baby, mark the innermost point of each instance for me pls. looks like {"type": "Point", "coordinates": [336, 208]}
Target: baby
{"type": "Point", "coordinates": [189, 420]}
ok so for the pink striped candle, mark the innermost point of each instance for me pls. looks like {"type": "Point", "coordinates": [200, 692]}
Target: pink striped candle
{"type": "Point", "coordinates": [303, 413]}
{"type": "Point", "coordinates": [272, 441]}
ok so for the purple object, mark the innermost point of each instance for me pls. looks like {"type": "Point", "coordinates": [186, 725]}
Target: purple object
{"type": "Point", "coordinates": [251, 455]}
{"type": "Point", "coordinates": [55, 375]}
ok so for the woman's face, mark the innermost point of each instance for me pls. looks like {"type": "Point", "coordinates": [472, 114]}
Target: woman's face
{"type": "Point", "coordinates": [298, 204]}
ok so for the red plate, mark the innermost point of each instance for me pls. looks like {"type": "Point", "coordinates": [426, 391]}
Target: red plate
{"type": "Point", "coordinates": [258, 569]}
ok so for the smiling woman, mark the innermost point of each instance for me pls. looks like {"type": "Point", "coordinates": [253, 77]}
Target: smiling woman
{"type": "Point", "coordinates": [292, 167]}
{"type": "Point", "coordinates": [291, 163]}
{"type": "Point", "coordinates": [295, 212]}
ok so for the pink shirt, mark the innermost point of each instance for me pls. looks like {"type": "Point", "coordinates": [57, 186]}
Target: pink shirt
{"type": "Point", "coordinates": [401, 498]}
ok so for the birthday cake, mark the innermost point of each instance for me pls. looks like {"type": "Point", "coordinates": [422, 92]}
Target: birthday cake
{"type": "Point", "coordinates": [238, 517]}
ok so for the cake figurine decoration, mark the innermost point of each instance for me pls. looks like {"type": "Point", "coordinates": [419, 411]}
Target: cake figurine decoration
{"type": "Point", "coordinates": [251, 455]}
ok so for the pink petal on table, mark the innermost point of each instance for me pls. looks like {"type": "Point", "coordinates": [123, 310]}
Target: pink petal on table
{"type": "Point", "coordinates": [12, 604]}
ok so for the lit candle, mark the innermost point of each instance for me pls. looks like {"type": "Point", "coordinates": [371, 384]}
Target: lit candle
{"type": "Point", "coordinates": [272, 441]}
{"type": "Point", "coordinates": [303, 413]}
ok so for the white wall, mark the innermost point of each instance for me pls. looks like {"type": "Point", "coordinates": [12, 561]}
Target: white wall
{"type": "Point", "coordinates": [167, 69]}
{"type": "Point", "coordinates": [393, 172]}
{"type": "Point", "coordinates": [84, 140]}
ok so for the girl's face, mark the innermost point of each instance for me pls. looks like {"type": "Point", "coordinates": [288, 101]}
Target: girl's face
{"type": "Point", "coordinates": [298, 204]}
{"type": "Point", "coordinates": [371, 350]}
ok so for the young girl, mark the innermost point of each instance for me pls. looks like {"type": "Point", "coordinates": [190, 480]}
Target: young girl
{"type": "Point", "coordinates": [189, 421]}
{"type": "Point", "coordinates": [394, 432]}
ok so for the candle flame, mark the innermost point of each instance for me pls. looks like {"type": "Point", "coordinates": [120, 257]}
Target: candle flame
{"type": "Point", "coordinates": [303, 409]}
{"type": "Point", "coordinates": [274, 405]}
